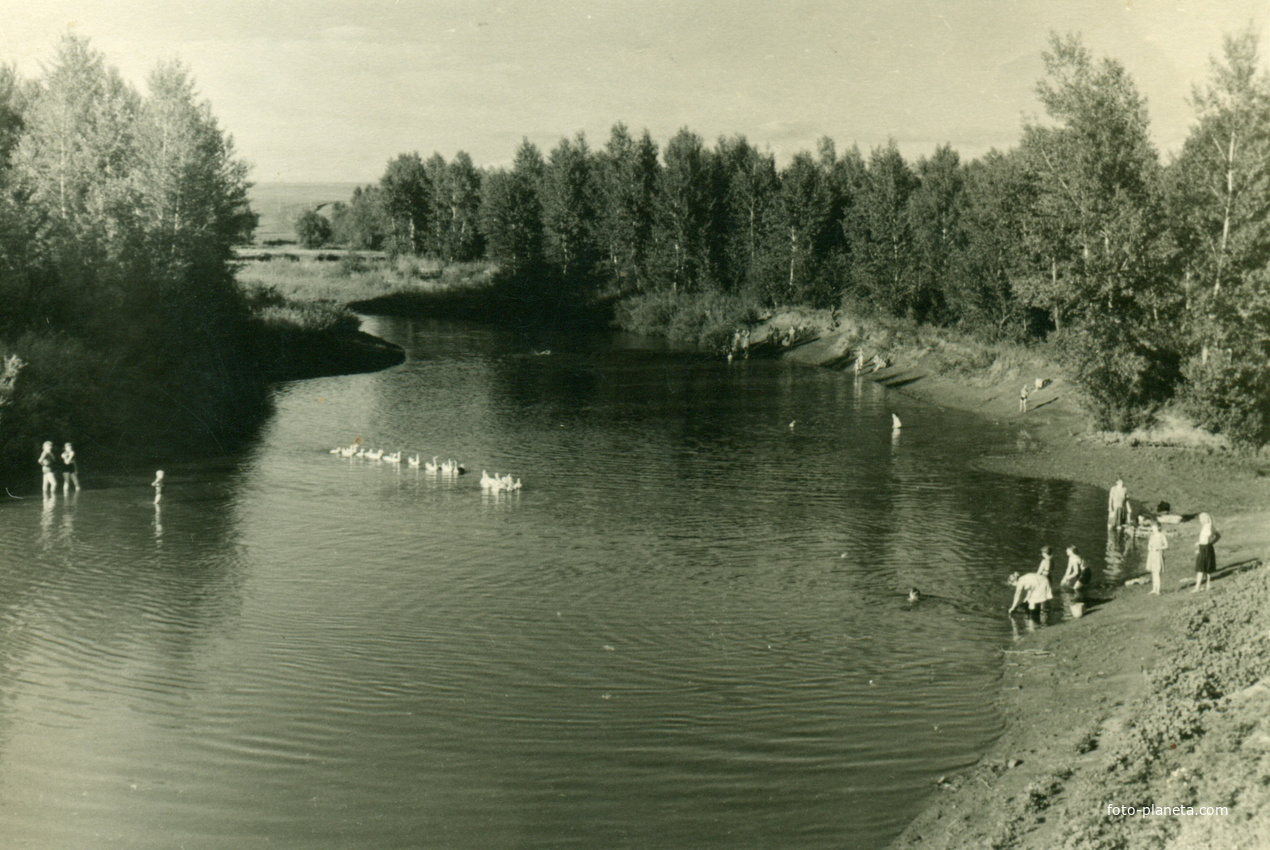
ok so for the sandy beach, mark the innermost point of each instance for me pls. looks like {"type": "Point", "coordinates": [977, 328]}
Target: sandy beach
{"type": "Point", "coordinates": [1148, 702]}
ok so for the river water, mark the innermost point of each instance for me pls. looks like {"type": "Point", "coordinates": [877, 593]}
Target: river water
{"type": "Point", "coordinates": [689, 629]}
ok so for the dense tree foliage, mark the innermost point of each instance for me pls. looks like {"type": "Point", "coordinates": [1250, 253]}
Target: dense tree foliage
{"type": "Point", "coordinates": [1219, 216]}
{"type": "Point", "coordinates": [119, 212]}
{"type": "Point", "coordinates": [406, 191]}
{"type": "Point", "coordinates": [511, 212]}
{"type": "Point", "coordinates": [363, 223]}
{"type": "Point", "coordinates": [1149, 279]}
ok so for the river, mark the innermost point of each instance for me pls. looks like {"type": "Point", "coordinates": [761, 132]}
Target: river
{"type": "Point", "coordinates": [688, 629]}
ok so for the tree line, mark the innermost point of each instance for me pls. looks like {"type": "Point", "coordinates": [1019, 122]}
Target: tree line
{"type": "Point", "coordinates": [119, 213]}
{"type": "Point", "coordinates": [1149, 277]}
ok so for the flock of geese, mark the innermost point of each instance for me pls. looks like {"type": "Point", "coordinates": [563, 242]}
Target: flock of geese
{"type": "Point", "coordinates": [489, 483]}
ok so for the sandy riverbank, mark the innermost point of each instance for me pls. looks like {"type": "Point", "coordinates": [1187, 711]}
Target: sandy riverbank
{"type": "Point", "coordinates": [1147, 700]}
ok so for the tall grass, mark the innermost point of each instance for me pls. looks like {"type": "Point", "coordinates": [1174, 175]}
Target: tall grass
{"type": "Point", "coordinates": [706, 319]}
{"type": "Point", "coordinates": [356, 277]}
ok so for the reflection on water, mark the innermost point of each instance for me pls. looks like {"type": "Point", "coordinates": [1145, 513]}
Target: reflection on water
{"type": "Point", "coordinates": [689, 629]}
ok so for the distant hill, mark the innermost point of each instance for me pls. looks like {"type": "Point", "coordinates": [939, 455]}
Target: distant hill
{"type": "Point", "coordinates": [278, 205]}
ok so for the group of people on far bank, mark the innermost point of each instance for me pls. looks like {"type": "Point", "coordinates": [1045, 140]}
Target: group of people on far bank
{"type": "Point", "coordinates": [51, 464]}
{"type": "Point", "coordinates": [1034, 590]}
{"type": "Point", "coordinates": [1120, 514]}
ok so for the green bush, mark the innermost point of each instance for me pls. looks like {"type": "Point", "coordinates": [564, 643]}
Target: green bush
{"type": "Point", "coordinates": [1123, 382]}
{"type": "Point", "coordinates": [312, 229]}
{"type": "Point", "coordinates": [1229, 397]}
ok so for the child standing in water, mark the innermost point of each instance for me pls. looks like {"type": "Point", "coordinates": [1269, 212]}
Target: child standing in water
{"type": "Point", "coordinates": [1047, 561]}
{"type": "Point", "coordinates": [46, 461]}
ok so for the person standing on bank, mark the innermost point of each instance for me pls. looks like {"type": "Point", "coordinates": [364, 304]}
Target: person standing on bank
{"type": "Point", "coordinates": [1205, 557]}
{"type": "Point", "coordinates": [46, 461]}
{"type": "Point", "coordinates": [70, 472]}
{"type": "Point", "coordinates": [1155, 555]}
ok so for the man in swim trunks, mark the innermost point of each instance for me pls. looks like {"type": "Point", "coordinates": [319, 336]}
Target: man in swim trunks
{"type": "Point", "coordinates": [1116, 499]}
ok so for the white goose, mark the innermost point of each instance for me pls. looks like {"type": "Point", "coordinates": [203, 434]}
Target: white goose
{"type": "Point", "coordinates": [377, 454]}
{"type": "Point", "coordinates": [348, 451]}
{"type": "Point", "coordinates": [395, 457]}
{"type": "Point", "coordinates": [431, 466]}
{"type": "Point", "coordinates": [413, 460]}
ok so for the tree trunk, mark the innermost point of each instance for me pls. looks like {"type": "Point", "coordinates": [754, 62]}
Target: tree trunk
{"type": "Point", "coordinates": [1225, 224]}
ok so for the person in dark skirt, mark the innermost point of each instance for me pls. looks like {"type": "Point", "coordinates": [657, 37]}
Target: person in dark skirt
{"type": "Point", "coordinates": [1205, 557]}
{"type": "Point", "coordinates": [48, 462]}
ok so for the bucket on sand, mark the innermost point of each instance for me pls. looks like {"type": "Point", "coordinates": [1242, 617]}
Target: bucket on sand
{"type": "Point", "coordinates": [1078, 610]}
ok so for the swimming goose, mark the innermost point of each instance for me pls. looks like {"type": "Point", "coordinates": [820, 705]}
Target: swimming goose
{"type": "Point", "coordinates": [431, 466]}
{"type": "Point", "coordinates": [413, 460]}
{"type": "Point", "coordinates": [395, 457]}
{"type": "Point", "coordinates": [377, 454]}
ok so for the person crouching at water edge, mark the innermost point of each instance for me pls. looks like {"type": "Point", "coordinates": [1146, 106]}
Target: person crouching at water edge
{"type": "Point", "coordinates": [1033, 589]}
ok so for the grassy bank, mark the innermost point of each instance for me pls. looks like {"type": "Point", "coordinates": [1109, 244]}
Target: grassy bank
{"type": "Point", "coordinates": [413, 287]}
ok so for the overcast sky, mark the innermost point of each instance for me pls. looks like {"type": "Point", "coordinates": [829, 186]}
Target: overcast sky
{"type": "Point", "coordinates": [330, 90]}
